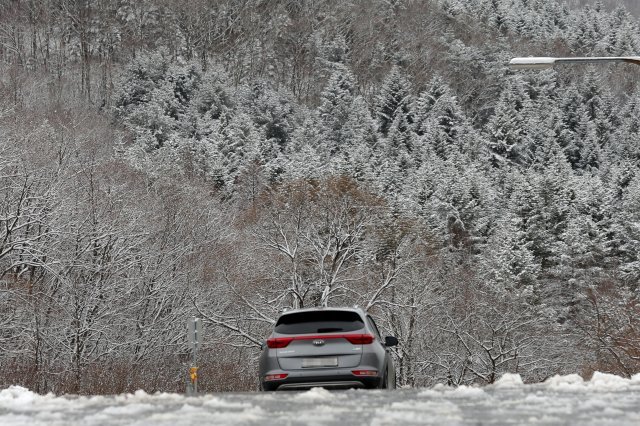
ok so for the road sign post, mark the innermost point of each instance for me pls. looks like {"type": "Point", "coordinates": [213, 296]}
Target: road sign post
{"type": "Point", "coordinates": [194, 326]}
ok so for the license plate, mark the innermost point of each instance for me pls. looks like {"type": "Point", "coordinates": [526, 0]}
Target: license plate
{"type": "Point", "coordinates": [319, 362]}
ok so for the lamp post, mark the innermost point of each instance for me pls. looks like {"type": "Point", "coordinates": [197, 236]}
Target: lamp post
{"type": "Point", "coordinates": [540, 63]}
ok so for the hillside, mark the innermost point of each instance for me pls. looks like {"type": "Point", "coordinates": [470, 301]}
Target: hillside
{"type": "Point", "coordinates": [228, 159]}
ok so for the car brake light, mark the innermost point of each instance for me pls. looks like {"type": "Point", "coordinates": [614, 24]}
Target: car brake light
{"type": "Point", "coordinates": [365, 373]}
{"type": "Point", "coordinates": [355, 339]}
{"type": "Point", "coordinates": [279, 342]}
{"type": "Point", "coordinates": [270, 377]}
{"type": "Point", "coordinates": [359, 339]}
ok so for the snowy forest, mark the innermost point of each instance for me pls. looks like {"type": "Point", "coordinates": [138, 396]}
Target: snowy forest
{"type": "Point", "coordinates": [228, 159]}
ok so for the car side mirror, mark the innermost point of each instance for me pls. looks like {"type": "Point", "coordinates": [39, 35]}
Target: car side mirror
{"type": "Point", "coordinates": [390, 341]}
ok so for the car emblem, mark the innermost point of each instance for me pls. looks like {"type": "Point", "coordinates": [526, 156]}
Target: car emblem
{"type": "Point", "coordinates": [318, 342]}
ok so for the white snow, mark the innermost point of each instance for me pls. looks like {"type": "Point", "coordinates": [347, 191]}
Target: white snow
{"type": "Point", "coordinates": [571, 382]}
{"type": "Point", "coordinates": [508, 380]}
{"type": "Point", "coordinates": [314, 394]}
{"type": "Point", "coordinates": [603, 381]}
{"type": "Point", "coordinates": [468, 392]}
{"type": "Point", "coordinates": [604, 399]}
{"type": "Point", "coordinates": [453, 392]}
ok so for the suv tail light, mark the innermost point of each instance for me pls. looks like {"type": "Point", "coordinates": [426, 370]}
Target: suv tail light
{"type": "Point", "coordinates": [365, 373]}
{"type": "Point", "coordinates": [359, 339]}
{"type": "Point", "coordinates": [270, 377]}
{"type": "Point", "coordinates": [279, 342]}
{"type": "Point", "coordinates": [354, 339]}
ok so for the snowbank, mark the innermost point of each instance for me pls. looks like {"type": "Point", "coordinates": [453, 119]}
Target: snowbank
{"type": "Point", "coordinates": [599, 382]}
{"type": "Point", "coordinates": [605, 399]}
{"type": "Point", "coordinates": [603, 381]}
{"type": "Point", "coordinates": [508, 380]}
{"type": "Point", "coordinates": [315, 394]}
{"type": "Point", "coordinates": [453, 392]}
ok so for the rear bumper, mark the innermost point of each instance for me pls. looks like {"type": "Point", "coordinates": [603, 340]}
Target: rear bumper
{"type": "Point", "coordinates": [301, 380]}
{"type": "Point", "coordinates": [338, 384]}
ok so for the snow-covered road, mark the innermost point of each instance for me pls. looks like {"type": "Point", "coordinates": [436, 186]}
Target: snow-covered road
{"type": "Point", "coordinates": [560, 400]}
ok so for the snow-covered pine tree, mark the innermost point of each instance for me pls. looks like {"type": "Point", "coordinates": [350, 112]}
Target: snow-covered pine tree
{"type": "Point", "coordinates": [508, 129]}
{"type": "Point", "coordinates": [336, 105]}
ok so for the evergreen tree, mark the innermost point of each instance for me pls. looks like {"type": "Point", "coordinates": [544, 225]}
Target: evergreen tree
{"type": "Point", "coordinates": [544, 205]}
{"type": "Point", "coordinates": [273, 112]}
{"type": "Point", "coordinates": [508, 263]}
{"type": "Point", "coordinates": [628, 134]}
{"type": "Point", "coordinates": [393, 102]}
{"type": "Point", "coordinates": [336, 107]}
{"type": "Point", "coordinates": [426, 101]}
{"type": "Point", "coordinates": [359, 132]}
{"type": "Point", "coordinates": [627, 220]}
{"type": "Point", "coordinates": [598, 102]}
{"type": "Point", "coordinates": [508, 128]}
{"type": "Point", "coordinates": [440, 122]}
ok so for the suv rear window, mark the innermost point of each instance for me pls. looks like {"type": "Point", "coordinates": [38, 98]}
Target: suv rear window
{"type": "Point", "coordinates": [319, 322]}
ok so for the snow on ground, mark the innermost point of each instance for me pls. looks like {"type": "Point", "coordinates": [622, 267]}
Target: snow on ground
{"type": "Point", "coordinates": [603, 400]}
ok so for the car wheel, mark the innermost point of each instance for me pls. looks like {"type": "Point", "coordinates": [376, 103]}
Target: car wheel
{"type": "Point", "coordinates": [391, 384]}
{"type": "Point", "coordinates": [384, 383]}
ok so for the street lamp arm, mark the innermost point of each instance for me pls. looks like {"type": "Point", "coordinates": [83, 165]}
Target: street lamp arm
{"type": "Point", "coordinates": [549, 62]}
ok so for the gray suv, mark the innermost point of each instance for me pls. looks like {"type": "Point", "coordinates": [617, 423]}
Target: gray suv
{"type": "Point", "coordinates": [326, 347]}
